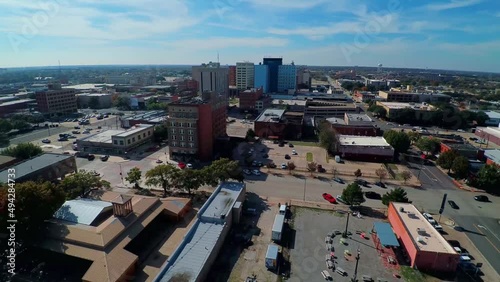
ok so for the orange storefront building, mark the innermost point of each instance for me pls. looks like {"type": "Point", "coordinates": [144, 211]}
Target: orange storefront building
{"type": "Point", "coordinates": [426, 247]}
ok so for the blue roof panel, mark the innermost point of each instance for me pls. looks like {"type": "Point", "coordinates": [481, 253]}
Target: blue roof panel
{"type": "Point", "coordinates": [385, 234]}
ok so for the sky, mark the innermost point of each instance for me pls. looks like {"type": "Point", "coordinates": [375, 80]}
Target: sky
{"type": "Point", "coordinates": [438, 34]}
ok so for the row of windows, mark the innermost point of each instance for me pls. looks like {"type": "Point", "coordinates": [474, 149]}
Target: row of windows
{"type": "Point", "coordinates": [181, 131]}
{"type": "Point", "coordinates": [190, 138]}
{"type": "Point", "coordinates": [129, 141]}
{"type": "Point", "coordinates": [182, 124]}
{"type": "Point", "coordinates": [182, 144]}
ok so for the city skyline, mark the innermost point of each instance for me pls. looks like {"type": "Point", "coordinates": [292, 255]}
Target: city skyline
{"type": "Point", "coordinates": [452, 35]}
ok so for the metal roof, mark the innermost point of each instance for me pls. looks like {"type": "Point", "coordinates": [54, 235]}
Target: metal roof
{"type": "Point", "coordinates": [493, 155]}
{"type": "Point", "coordinates": [223, 201]}
{"type": "Point", "coordinates": [82, 211]}
{"type": "Point", "coordinates": [278, 222]}
{"type": "Point", "coordinates": [385, 234]}
{"type": "Point", "coordinates": [32, 165]}
{"type": "Point", "coordinates": [272, 251]}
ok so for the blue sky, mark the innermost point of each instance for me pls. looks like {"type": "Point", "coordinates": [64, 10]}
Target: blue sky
{"type": "Point", "coordinates": [445, 34]}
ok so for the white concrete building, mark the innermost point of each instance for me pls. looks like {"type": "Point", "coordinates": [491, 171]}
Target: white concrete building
{"type": "Point", "coordinates": [245, 75]}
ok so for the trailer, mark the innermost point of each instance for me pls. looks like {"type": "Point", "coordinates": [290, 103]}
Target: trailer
{"type": "Point", "coordinates": [277, 231]}
{"type": "Point", "coordinates": [272, 257]}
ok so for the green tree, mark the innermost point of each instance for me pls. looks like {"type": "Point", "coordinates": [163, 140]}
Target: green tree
{"type": "Point", "coordinates": [23, 151]}
{"type": "Point", "coordinates": [5, 125]}
{"type": "Point", "coordinates": [291, 166]}
{"type": "Point", "coordinates": [327, 137]}
{"type": "Point", "coordinates": [428, 144]}
{"type": "Point", "coordinates": [446, 159]}
{"type": "Point", "coordinates": [379, 111]}
{"type": "Point", "coordinates": [250, 136]}
{"type": "Point", "coordinates": [134, 177]}
{"type": "Point", "coordinates": [190, 179]}
{"type": "Point", "coordinates": [381, 173]}
{"type": "Point", "coordinates": [414, 136]}
{"type": "Point", "coordinates": [20, 125]}
{"type": "Point", "coordinates": [93, 102]}
{"type": "Point", "coordinates": [481, 118]}
{"type": "Point", "coordinates": [488, 178]}
{"type": "Point", "coordinates": [353, 194]}
{"type": "Point", "coordinates": [164, 175]}
{"type": "Point", "coordinates": [83, 182]}
{"type": "Point", "coordinates": [460, 167]}
{"type": "Point", "coordinates": [312, 167]}
{"type": "Point", "coordinates": [398, 140]}
{"type": "Point", "coordinates": [222, 170]}
{"type": "Point", "coordinates": [406, 175]}
{"type": "Point", "coordinates": [397, 195]}
{"type": "Point", "coordinates": [358, 173]}
{"type": "Point", "coordinates": [4, 140]}
{"type": "Point", "coordinates": [160, 132]}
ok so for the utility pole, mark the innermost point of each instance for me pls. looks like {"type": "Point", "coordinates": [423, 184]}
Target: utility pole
{"type": "Point", "coordinates": [346, 225]}
{"type": "Point", "coordinates": [305, 180]}
{"type": "Point", "coordinates": [354, 278]}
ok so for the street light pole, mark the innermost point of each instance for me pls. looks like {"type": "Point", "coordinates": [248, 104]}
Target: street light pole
{"type": "Point", "coordinates": [346, 224]}
{"type": "Point", "coordinates": [354, 278]}
{"type": "Point", "coordinates": [305, 179]}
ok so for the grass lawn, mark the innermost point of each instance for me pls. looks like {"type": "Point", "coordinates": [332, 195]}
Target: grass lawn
{"type": "Point", "coordinates": [303, 143]}
{"type": "Point", "coordinates": [412, 275]}
{"type": "Point", "coordinates": [393, 166]}
{"type": "Point", "coordinates": [309, 157]}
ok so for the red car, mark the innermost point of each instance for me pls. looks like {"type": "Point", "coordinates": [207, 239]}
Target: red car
{"type": "Point", "coordinates": [181, 165]}
{"type": "Point", "coordinates": [329, 198]}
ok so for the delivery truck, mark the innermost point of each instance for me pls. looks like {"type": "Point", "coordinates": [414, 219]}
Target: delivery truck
{"type": "Point", "coordinates": [277, 231]}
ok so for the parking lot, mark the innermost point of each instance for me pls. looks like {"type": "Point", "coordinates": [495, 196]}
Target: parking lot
{"type": "Point", "coordinates": [308, 253]}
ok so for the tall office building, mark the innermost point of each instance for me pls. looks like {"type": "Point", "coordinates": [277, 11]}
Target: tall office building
{"type": "Point", "coordinates": [261, 77]}
{"type": "Point", "coordinates": [232, 75]}
{"type": "Point", "coordinates": [56, 100]}
{"type": "Point", "coordinates": [287, 77]}
{"type": "Point", "coordinates": [212, 77]}
{"type": "Point", "coordinates": [273, 65]}
{"type": "Point", "coordinates": [194, 125]}
{"type": "Point", "coordinates": [244, 75]}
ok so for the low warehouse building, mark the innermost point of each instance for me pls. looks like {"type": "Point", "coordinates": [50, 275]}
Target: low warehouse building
{"type": "Point", "coordinates": [48, 166]}
{"type": "Point", "coordinates": [425, 246]}
{"type": "Point", "coordinates": [374, 149]}
{"type": "Point", "coordinates": [117, 141]}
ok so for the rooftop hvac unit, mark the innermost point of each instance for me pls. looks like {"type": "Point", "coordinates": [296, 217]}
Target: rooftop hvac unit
{"type": "Point", "coordinates": [401, 209]}
{"type": "Point", "coordinates": [420, 239]}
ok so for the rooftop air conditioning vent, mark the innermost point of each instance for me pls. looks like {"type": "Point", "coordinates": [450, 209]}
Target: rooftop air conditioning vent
{"type": "Point", "coordinates": [401, 209]}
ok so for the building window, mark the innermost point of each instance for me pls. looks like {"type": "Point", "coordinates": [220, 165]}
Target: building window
{"type": "Point", "coordinates": [182, 137]}
{"type": "Point", "coordinates": [115, 142]}
{"type": "Point", "coordinates": [190, 132]}
{"type": "Point", "coordinates": [172, 123]}
{"type": "Point", "coordinates": [191, 145]}
{"type": "Point", "coordinates": [183, 144]}
{"type": "Point", "coordinates": [144, 134]}
{"type": "Point", "coordinates": [128, 141]}
{"type": "Point", "coordinates": [190, 138]}
{"type": "Point", "coordinates": [121, 142]}
{"type": "Point", "coordinates": [139, 137]}
{"type": "Point", "coordinates": [181, 131]}
{"type": "Point", "coordinates": [133, 139]}
{"type": "Point", "coordinates": [174, 144]}
{"type": "Point", "coordinates": [174, 137]}
{"type": "Point", "coordinates": [149, 133]}
{"type": "Point", "coordinates": [172, 131]}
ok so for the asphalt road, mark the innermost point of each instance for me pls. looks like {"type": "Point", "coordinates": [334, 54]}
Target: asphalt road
{"type": "Point", "coordinates": [431, 177]}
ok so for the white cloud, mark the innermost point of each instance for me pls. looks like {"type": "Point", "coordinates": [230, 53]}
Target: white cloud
{"type": "Point", "coordinates": [285, 4]}
{"type": "Point", "coordinates": [215, 43]}
{"type": "Point", "coordinates": [454, 4]}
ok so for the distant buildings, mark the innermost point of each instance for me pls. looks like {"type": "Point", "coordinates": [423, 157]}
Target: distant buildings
{"type": "Point", "coordinates": [325, 109]}
{"type": "Point", "coordinates": [304, 77]}
{"type": "Point", "coordinates": [261, 77]}
{"type": "Point", "coordinates": [364, 96]}
{"type": "Point", "coordinates": [287, 78]}
{"type": "Point", "coordinates": [249, 98]}
{"type": "Point", "coordinates": [151, 117]}
{"type": "Point", "coordinates": [244, 75]}
{"type": "Point", "coordinates": [489, 134]}
{"type": "Point", "coordinates": [279, 124]}
{"type": "Point", "coordinates": [494, 118]}
{"type": "Point", "coordinates": [492, 157]}
{"type": "Point", "coordinates": [422, 111]}
{"type": "Point", "coordinates": [116, 142]}
{"type": "Point", "coordinates": [127, 79]}
{"type": "Point", "coordinates": [14, 106]}
{"type": "Point", "coordinates": [273, 66]}
{"type": "Point", "coordinates": [94, 100]}
{"type": "Point", "coordinates": [212, 77]}
{"type": "Point", "coordinates": [56, 100]}
{"type": "Point", "coordinates": [403, 96]}
{"type": "Point", "coordinates": [354, 124]}
{"type": "Point", "coordinates": [362, 148]}
{"type": "Point", "coordinates": [232, 75]}
{"type": "Point", "coordinates": [194, 124]}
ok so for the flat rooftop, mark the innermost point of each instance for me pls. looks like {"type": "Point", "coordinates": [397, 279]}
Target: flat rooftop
{"type": "Point", "coordinates": [270, 115]}
{"type": "Point", "coordinates": [133, 130]}
{"type": "Point", "coordinates": [289, 102]}
{"type": "Point", "coordinates": [191, 255]}
{"type": "Point", "coordinates": [461, 146]}
{"type": "Point", "coordinates": [21, 101]}
{"type": "Point", "coordinates": [493, 155]}
{"type": "Point", "coordinates": [493, 114]}
{"type": "Point", "coordinates": [103, 136]}
{"type": "Point", "coordinates": [358, 117]}
{"type": "Point", "coordinates": [334, 120]}
{"type": "Point", "coordinates": [94, 94]}
{"type": "Point", "coordinates": [353, 140]}
{"type": "Point", "coordinates": [37, 163]}
{"type": "Point", "coordinates": [87, 86]}
{"type": "Point", "coordinates": [400, 105]}
{"type": "Point", "coordinates": [421, 230]}
{"type": "Point", "coordinates": [495, 131]}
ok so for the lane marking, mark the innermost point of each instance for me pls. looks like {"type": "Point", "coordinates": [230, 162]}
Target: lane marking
{"type": "Point", "coordinates": [485, 237]}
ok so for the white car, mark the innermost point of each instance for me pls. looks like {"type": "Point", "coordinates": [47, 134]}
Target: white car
{"type": "Point", "coordinates": [429, 218]}
{"type": "Point", "coordinates": [283, 166]}
{"type": "Point", "coordinates": [247, 172]}
{"type": "Point", "coordinates": [189, 166]}
{"type": "Point", "coordinates": [460, 130]}
{"type": "Point", "coordinates": [294, 152]}
{"type": "Point", "coordinates": [255, 172]}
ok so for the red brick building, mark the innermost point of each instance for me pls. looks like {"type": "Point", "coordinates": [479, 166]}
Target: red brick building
{"type": "Point", "coordinates": [464, 149]}
{"type": "Point", "coordinates": [11, 107]}
{"type": "Point", "coordinates": [186, 84]}
{"type": "Point", "coordinates": [232, 75]}
{"type": "Point", "coordinates": [248, 98]}
{"type": "Point", "coordinates": [56, 100]}
{"type": "Point", "coordinates": [489, 134]}
{"type": "Point", "coordinates": [194, 124]}
{"type": "Point", "coordinates": [354, 124]}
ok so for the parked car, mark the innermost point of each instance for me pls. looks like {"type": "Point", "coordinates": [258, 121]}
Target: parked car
{"type": "Point", "coordinates": [77, 127]}
{"type": "Point", "coordinates": [380, 184]}
{"type": "Point", "coordinates": [62, 139]}
{"type": "Point", "coordinates": [339, 199]}
{"type": "Point", "coordinates": [373, 195]}
{"type": "Point", "coordinates": [290, 145]}
{"type": "Point", "coordinates": [294, 152]}
{"type": "Point", "coordinates": [481, 198]}
{"type": "Point", "coordinates": [247, 171]}
{"type": "Point", "coordinates": [158, 161]}
{"type": "Point", "coordinates": [453, 204]}
{"type": "Point", "coordinates": [256, 172]}
{"type": "Point", "coordinates": [320, 169]}
{"type": "Point", "coordinates": [329, 198]}
{"type": "Point", "coordinates": [281, 145]}
{"type": "Point", "coordinates": [75, 132]}
{"type": "Point", "coordinates": [361, 182]}
{"type": "Point", "coordinates": [284, 166]}
{"type": "Point", "coordinates": [46, 141]}
{"type": "Point", "coordinates": [287, 157]}
{"type": "Point", "coordinates": [189, 166]}
{"type": "Point", "coordinates": [104, 158]}
{"type": "Point", "coordinates": [338, 180]}
{"type": "Point", "coordinates": [429, 218]}
{"type": "Point", "coordinates": [91, 157]}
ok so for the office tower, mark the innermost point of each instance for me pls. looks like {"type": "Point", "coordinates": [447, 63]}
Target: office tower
{"type": "Point", "coordinates": [244, 75]}
{"type": "Point", "coordinates": [261, 77]}
{"type": "Point", "coordinates": [273, 64]}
